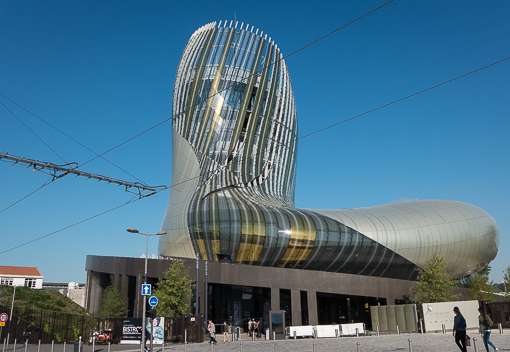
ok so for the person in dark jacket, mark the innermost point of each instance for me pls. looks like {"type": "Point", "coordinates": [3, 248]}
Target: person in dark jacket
{"type": "Point", "coordinates": [26, 334]}
{"type": "Point", "coordinates": [459, 329]}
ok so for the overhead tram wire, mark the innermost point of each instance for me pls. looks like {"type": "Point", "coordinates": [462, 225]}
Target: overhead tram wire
{"type": "Point", "coordinates": [51, 180]}
{"type": "Point", "coordinates": [402, 99]}
{"type": "Point", "coordinates": [68, 136]}
{"type": "Point", "coordinates": [203, 101]}
{"type": "Point", "coordinates": [70, 226]}
{"type": "Point", "coordinates": [58, 130]}
{"type": "Point", "coordinates": [35, 134]}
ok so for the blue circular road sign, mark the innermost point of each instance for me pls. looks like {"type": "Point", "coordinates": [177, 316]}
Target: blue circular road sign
{"type": "Point", "coordinates": [153, 301]}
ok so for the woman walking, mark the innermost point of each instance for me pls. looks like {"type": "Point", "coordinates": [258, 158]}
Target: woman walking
{"type": "Point", "coordinates": [459, 329]}
{"type": "Point", "coordinates": [485, 328]}
{"type": "Point", "coordinates": [26, 334]}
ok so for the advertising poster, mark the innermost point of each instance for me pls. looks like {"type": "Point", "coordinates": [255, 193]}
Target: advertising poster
{"type": "Point", "coordinates": [158, 326]}
{"type": "Point", "coordinates": [131, 331]}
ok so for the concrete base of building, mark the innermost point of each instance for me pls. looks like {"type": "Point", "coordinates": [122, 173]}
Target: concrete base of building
{"type": "Point", "coordinates": [238, 292]}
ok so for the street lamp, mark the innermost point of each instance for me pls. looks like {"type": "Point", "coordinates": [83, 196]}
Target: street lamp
{"type": "Point", "coordinates": [10, 317]}
{"type": "Point", "coordinates": [160, 233]}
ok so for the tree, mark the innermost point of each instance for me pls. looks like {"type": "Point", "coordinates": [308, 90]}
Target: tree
{"type": "Point", "coordinates": [112, 304]}
{"type": "Point", "coordinates": [480, 287]}
{"type": "Point", "coordinates": [174, 291]}
{"type": "Point", "coordinates": [434, 284]}
{"type": "Point", "coordinates": [506, 282]}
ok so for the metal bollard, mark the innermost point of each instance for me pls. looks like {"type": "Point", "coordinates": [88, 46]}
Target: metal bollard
{"type": "Point", "coordinates": [336, 333]}
{"type": "Point", "coordinates": [184, 348]}
{"type": "Point", "coordinates": [313, 347]}
{"type": "Point", "coordinates": [39, 346]}
{"type": "Point", "coordinates": [500, 327]}
{"type": "Point", "coordinates": [410, 345]}
{"type": "Point", "coordinates": [15, 346]}
{"type": "Point", "coordinates": [64, 346]}
{"type": "Point", "coordinates": [79, 344]}
{"type": "Point", "coordinates": [295, 335]}
{"type": "Point", "coordinates": [421, 326]}
{"type": "Point", "coordinates": [357, 332]}
{"type": "Point", "coordinates": [274, 336]}
{"type": "Point", "coordinates": [357, 346]}
{"type": "Point", "coordinates": [93, 345]}
{"type": "Point", "coordinates": [398, 331]}
{"type": "Point", "coordinates": [443, 327]}
{"type": "Point", "coordinates": [185, 336]}
{"type": "Point", "coordinates": [275, 347]}
{"type": "Point", "coordinates": [53, 344]}
{"type": "Point", "coordinates": [474, 344]}
{"type": "Point", "coordinates": [241, 347]}
{"type": "Point", "coordinates": [110, 344]}
{"type": "Point", "coordinates": [377, 331]}
{"type": "Point", "coordinates": [253, 335]}
{"type": "Point", "coordinates": [26, 345]}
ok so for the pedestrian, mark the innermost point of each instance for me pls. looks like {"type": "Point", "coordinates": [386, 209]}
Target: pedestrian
{"type": "Point", "coordinates": [26, 334]}
{"type": "Point", "coordinates": [257, 328]}
{"type": "Point", "coordinates": [227, 330]}
{"type": "Point", "coordinates": [212, 332]}
{"type": "Point", "coordinates": [485, 328]}
{"type": "Point", "coordinates": [252, 327]}
{"type": "Point", "coordinates": [249, 327]}
{"type": "Point", "coordinates": [459, 329]}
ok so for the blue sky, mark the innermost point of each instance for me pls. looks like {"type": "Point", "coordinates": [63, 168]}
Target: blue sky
{"type": "Point", "coordinates": [103, 71]}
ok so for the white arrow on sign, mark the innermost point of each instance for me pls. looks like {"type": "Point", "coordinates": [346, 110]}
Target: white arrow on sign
{"type": "Point", "coordinates": [146, 290]}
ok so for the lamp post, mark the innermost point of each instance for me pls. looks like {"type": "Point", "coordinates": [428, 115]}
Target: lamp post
{"type": "Point", "coordinates": [160, 233]}
{"type": "Point", "coordinates": [10, 317]}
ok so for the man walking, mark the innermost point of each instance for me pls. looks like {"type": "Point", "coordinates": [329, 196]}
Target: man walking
{"type": "Point", "coordinates": [227, 330]}
{"type": "Point", "coordinates": [212, 332]}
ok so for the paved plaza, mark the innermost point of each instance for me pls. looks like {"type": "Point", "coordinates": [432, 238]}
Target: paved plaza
{"type": "Point", "coordinates": [433, 342]}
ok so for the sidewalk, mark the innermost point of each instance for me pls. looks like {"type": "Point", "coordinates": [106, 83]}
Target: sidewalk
{"type": "Point", "coordinates": [433, 342]}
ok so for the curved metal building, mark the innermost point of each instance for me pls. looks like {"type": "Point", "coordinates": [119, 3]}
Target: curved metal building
{"type": "Point", "coordinates": [234, 169]}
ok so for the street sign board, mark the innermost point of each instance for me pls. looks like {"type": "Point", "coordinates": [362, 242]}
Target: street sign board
{"type": "Point", "coordinates": [2, 324]}
{"type": "Point", "coordinates": [3, 317]}
{"type": "Point", "coordinates": [146, 290]}
{"type": "Point", "coordinates": [153, 301]}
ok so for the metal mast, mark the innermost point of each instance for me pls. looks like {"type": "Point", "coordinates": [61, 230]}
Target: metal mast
{"type": "Point", "coordinates": [58, 171]}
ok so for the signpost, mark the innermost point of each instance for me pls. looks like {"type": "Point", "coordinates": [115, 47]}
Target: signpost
{"type": "Point", "coordinates": [146, 289]}
{"type": "Point", "coordinates": [3, 318]}
{"type": "Point", "coordinates": [153, 301]}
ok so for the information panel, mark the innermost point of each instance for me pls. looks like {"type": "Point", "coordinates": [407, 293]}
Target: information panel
{"type": "Point", "coordinates": [131, 331]}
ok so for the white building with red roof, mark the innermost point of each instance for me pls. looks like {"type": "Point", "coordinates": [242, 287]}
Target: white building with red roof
{"type": "Point", "coordinates": [21, 276]}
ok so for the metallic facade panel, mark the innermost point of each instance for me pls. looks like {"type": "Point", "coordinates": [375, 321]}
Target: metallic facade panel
{"type": "Point", "coordinates": [234, 171]}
